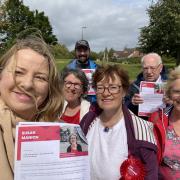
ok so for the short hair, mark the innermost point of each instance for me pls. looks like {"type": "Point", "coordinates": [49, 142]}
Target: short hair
{"type": "Point", "coordinates": [53, 105]}
{"type": "Point", "coordinates": [108, 72]}
{"type": "Point", "coordinates": [78, 73]}
{"type": "Point", "coordinates": [154, 55]}
{"type": "Point", "coordinates": [173, 76]}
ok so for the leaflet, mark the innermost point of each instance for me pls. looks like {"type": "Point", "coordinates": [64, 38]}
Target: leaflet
{"type": "Point", "coordinates": [152, 94]}
{"type": "Point", "coordinates": [51, 151]}
{"type": "Point", "coordinates": [89, 73]}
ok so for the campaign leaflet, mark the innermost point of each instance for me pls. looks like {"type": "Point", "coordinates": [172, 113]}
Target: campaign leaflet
{"type": "Point", "coordinates": [152, 94]}
{"type": "Point", "coordinates": [89, 73]}
{"type": "Point", "coordinates": [50, 151]}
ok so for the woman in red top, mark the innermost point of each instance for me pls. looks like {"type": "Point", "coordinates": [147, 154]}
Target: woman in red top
{"type": "Point", "coordinates": [167, 129]}
{"type": "Point", "coordinates": [75, 86]}
{"type": "Point", "coordinates": [74, 146]}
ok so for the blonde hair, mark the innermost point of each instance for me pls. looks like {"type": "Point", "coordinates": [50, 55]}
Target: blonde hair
{"type": "Point", "coordinates": [174, 75]}
{"type": "Point", "coordinates": [53, 105]}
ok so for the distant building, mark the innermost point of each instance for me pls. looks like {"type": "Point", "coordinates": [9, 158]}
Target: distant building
{"type": "Point", "coordinates": [127, 53]}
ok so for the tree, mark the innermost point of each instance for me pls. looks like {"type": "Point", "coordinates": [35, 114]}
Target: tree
{"type": "Point", "coordinates": [16, 17]}
{"type": "Point", "coordinates": [162, 35]}
{"type": "Point", "coordinates": [61, 52]}
{"type": "Point", "coordinates": [111, 52]}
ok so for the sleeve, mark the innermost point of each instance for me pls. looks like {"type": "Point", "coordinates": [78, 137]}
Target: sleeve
{"type": "Point", "coordinates": [5, 170]}
{"type": "Point", "coordinates": [149, 157]}
{"type": "Point", "coordinates": [132, 90]}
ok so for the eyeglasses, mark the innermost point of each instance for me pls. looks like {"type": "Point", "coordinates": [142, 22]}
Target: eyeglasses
{"type": "Point", "coordinates": [68, 84]}
{"type": "Point", "coordinates": [113, 89]}
{"type": "Point", "coordinates": [152, 68]}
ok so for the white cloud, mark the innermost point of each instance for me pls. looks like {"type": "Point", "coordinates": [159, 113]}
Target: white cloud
{"type": "Point", "coordinates": [110, 23]}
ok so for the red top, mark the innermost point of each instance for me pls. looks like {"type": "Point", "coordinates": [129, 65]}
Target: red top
{"type": "Point", "coordinates": [71, 119]}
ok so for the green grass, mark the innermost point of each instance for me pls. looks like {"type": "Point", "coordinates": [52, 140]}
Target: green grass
{"type": "Point", "coordinates": [61, 63]}
{"type": "Point", "coordinates": [132, 69]}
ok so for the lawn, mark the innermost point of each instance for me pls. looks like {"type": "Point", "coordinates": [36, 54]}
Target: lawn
{"type": "Point", "coordinates": [133, 69]}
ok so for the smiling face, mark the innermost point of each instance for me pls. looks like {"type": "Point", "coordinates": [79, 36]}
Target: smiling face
{"type": "Point", "coordinates": [24, 82]}
{"type": "Point", "coordinates": [110, 101]}
{"type": "Point", "coordinates": [175, 94]}
{"type": "Point", "coordinates": [82, 54]}
{"type": "Point", "coordinates": [73, 139]}
{"type": "Point", "coordinates": [71, 93]}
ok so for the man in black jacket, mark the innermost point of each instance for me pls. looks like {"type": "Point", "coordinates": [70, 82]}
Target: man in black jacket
{"type": "Point", "coordinates": [152, 71]}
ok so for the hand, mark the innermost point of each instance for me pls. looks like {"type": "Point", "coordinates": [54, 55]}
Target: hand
{"type": "Point", "coordinates": [137, 99]}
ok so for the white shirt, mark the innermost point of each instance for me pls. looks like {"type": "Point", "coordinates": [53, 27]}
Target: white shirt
{"type": "Point", "coordinates": [159, 80]}
{"type": "Point", "coordinates": [107, 150]}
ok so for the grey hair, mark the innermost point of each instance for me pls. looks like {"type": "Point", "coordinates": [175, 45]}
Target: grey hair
{"type": "Point", "coordinates": [78, 74]}
{"type": "Point", "coordinates": [154, 55]}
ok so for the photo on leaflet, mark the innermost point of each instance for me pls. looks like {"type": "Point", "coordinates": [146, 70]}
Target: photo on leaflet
{"type": "Point", "coordinates": [72, 141]}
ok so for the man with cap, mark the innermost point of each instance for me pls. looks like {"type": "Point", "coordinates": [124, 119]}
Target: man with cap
{"type": "Point", "coordinates": [82, 61]}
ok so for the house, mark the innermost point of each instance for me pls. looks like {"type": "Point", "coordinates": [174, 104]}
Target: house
{"type": "Point", "coordinates": [127, 53]}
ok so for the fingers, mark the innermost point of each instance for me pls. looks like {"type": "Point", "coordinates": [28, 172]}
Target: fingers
{"type": "Point", "coordinates": [137, 99]}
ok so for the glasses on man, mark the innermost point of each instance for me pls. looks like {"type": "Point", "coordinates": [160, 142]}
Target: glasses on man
{"type": "Point", "coordinates": [151, 68]}
{"type": "Point", "coordinates": [68, 84]}
{"type": "Point", "coordinates": [113, 89]}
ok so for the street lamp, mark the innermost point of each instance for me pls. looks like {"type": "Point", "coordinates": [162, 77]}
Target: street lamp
{"type": "Point", "coordinates": [84, 27]}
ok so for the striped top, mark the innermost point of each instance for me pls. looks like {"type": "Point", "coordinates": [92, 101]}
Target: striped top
{"type": "Point", "coordinates": [143, 129]}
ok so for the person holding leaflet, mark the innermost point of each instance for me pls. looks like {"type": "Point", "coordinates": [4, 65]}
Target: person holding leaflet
{"type": "Point", "coordinates": [29, 91]}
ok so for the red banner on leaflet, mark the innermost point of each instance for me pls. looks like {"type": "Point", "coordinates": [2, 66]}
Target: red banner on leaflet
{"type": "Point", "coordinates": [36, 133]}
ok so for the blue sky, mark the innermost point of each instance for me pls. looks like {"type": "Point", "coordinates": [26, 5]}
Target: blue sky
{"type": "Point", "coordinates": [109, 23]}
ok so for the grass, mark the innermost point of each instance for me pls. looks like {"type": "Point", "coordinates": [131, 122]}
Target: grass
{"type": "Point", "coordinates": [132, 69]}
{"type": "Point", "coordinates": [61, 63]}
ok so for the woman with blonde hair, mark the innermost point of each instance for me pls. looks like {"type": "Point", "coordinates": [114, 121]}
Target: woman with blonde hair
{"type": "Point", "coordinates": [29, 91]}
{"type": "Point", "coordinates": [167, 129]}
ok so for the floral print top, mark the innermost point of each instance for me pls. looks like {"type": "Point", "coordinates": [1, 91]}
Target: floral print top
{"type": "Point", "coordinates": [170, 168]}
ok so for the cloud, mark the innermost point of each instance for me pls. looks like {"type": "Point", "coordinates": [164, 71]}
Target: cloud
{"type": "Point", "coordinates": [109, 23]}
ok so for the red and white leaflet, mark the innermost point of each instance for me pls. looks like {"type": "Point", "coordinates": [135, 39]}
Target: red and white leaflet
{"type": "Point", "coordinates": [41, 152]}
{"type": "Point", "coordinates": [89, 73]}
{"type": "Point", "coordinates": [152, 94]}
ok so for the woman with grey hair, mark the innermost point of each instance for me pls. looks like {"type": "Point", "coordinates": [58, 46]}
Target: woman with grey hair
{"type": "Point", "coordinates": [75, 87]}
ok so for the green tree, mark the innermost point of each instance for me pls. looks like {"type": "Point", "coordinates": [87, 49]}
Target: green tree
{"type": "Point", "coordinates": [61, 52]}
{"type": "Point", "coordinates": [162, 35]}
{"type": "Point", "coordinates": [16, 17]}
{"type": "Point", "coordinates": [111, 52]}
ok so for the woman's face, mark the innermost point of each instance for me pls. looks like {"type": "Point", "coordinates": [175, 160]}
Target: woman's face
{"type": "Point", "coordinates": [24, 82]}
{"type": "Point", "coordinates": [73, 139]}
{"type": "Point", "coordinates": [72, 88]}
{"type": "Point", "coordinates": [175, 94]}
{"type": "Point", "coordinates": [111, 94]}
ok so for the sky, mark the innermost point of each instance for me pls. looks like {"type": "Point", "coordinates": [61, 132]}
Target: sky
{"type": "Point", "coordinates": [104, 23]}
